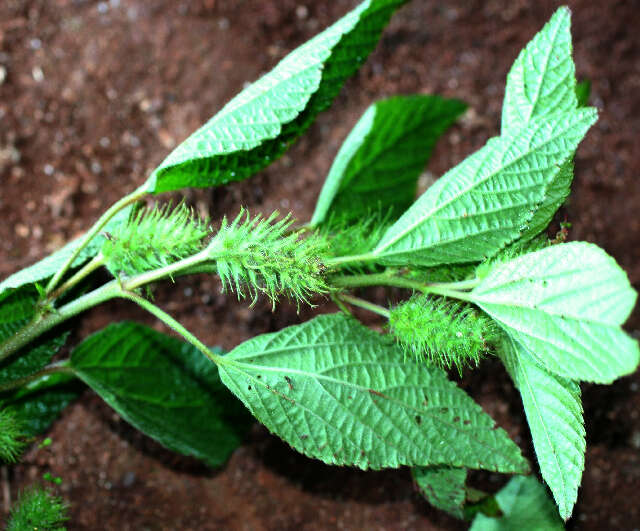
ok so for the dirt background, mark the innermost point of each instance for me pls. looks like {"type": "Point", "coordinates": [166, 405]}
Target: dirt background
{"type": "Point", "coordinates": [93, 95]}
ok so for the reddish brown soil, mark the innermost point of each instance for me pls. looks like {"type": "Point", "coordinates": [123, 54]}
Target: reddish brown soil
{"type": "Point", "coordinates": [94, 94]}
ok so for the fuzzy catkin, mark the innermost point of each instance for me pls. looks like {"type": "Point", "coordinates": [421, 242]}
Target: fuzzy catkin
{"type": "Point", "coordinates": [154, 238]}
{"type": "Point", "coordinates": [443, 333]}
{"type": "Point", "coordinates": [262, 255]}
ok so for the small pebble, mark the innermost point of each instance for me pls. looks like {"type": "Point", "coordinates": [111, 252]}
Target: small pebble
{"type": "Point", "coordinates": [48, 169]}
{"type": "Point", "coordinates": [22, 230]}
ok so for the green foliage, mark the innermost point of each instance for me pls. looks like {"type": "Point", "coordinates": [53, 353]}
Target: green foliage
{"type": "Point", "coordinates": [346, 238]}
{"type": "Point", "coordinates": [380, 161]}
{"type": "Point", "coordinates": [583, 91]}
{"type": "Point", "coordinates": [478, 207]}
{"type": "Point", "coordinates": [554, 413]}
{"type": "Point", "coordinates": [443, 486]}
{"type": "Point", "coordinates": [542, 80]}
{"type": "Point", "coordinates": [339, 392]}
{"type": "Point", "coordinates": [164, 387]}
{"type": "Point", "coordinates": [525, 505]}
{"type": "Point", "coordinates": [152, 239]}
{"type": "Point", "coordinates": [48, 266]}
{"type": "Point", "coordinates": [37, 509]}
{"type": "Point", "coordinates": [11, 435]}
{"type": "Point", "coordinates": [441, 332]}
{"type": "Point", "coordinates": [40, 402]}
{"type": "Point", "coordinates": [261, 122]}
{"type": "Point", "coordinates": [565, 305]}
{"type": "Point", "coordinates": [332, 388]}
{"type": "Point", "coordinates": [17, 308]}
{"type": "Point", "coordinates": [263, 255]}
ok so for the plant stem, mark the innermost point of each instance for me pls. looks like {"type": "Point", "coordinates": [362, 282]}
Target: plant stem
{"type": "Point", "coordinates": [171, 323]}
{"type": "Point", "coordinates": [385, 279]}
{"type": "Point", "coordinates": [461, 285]}
{"type": "Point", "coordinates": [60, 366]}
{"type": "Point", "coordinates": [345, 260]}
{"type": "Point", "coordinates": [91, 233]}
{"type": "Point", "coordinates": [57, 316]}
{"type": "Point", "coordinates": [166, 271]}
{"type": "Point", "coordinates": [356, 301]}
{"type": "Point", "coordinates": [88, 268]}
{"type": "Point", "coordinates": [376, 279]}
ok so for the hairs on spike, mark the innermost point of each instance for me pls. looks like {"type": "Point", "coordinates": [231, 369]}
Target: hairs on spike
{"type": "Point", "coordinates": [262, 255]}
{"type": "Point", "coordinates": [154, 238]}
{"type": "Point", "coordinates": [441, 332]}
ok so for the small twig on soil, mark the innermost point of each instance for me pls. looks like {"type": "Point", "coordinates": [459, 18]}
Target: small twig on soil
{"type": "Point", "coordinates": [6, 491]}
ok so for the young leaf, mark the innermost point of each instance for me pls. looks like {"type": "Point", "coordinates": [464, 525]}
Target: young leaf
{"type": "Point", "coordinates": [542, 79]}
{"type": "Point", "coordinates": [17, 308]}
{"type": "Point", "coordinates": [48, 266]}
{"type": "Point", "coordinates": [164, 387]}
{"type": "Point", "coordinates": [525, 505]}
{"type": "Point", "coordinates": [565, 305]}
{"type": "Point", "coordinates": [380, 161]}
{"type": "Point", "coordinates": [260, 123]}
{"type": "Point", "coordinates": [443, 487]}
{"type": "Point", "coordinates": [486, 201]}
{"type": "Point", "coordinates": [554, 413]}
{"type": "Point", "coordinates": [339, 392]}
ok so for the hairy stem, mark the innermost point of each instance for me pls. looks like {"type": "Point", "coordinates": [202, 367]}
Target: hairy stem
{"type": "Point", "coordinates": [93, 231]}
{"type": "Point", "coordinates": [386, 279]}
{"type": "Point", "coordinates": [166, 271]}
{"type": "Point", "coordinates": [171, 323]}
{"type": "Point", "coordinates": [88, 268]}
{"type": "Point", "coordinates": [361, 303]}
{"type": "Point", "coordinates": [60, 366]}
{"type": "Point", "coordinates": [341, 261]}
{"type": "Point", "coordinates": [55, 317]}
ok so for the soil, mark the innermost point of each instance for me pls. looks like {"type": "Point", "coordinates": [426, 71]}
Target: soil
{"type": "Point", "coordinates": [93, 95]}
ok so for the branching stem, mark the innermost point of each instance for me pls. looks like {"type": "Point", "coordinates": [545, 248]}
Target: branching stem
{"type": "Point", "coordinates": [93, 231]}
{"type": "Point", "coordinates": [386, 279]}
{"type": "Point", "coordinates": [361, 303]}
{"type": "Point", "coordinates": [86, 270]}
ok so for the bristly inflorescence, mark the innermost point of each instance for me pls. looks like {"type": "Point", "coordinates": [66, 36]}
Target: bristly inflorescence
{"type": "Point", "coordinates": [444, 333]}
{"type": "Point", "coordinates": [154, 238]}
{"type": "Point", "coordinates": [262, 255]}
{"type": "Point", "coordinates": [11, 436]}
{"type": "Point", "coordinates": [347, 238]}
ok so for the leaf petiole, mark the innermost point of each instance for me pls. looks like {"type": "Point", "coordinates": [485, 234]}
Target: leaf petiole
{"type": "Point", "coordinates": [171, 323]}
{"type": "Point", "coordinates": [361, 303]}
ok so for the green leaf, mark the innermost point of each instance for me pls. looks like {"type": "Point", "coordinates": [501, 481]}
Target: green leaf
{"type": "Point", "coordinates": [40, 403]}
{"type": "Point", "coordinates": [554, 413]}
{"type": "Point", "coordinates": [260, 123]}
{"type": "Point", "coordinates": [542, 80]}
{"type": "Point", "coordinates": [565, 305]}
{"type": "Point", "coordinates": [443, 487]}
{"type": "Point", "coordinates": [17, 308]}
{"type": "Point", "coordinates": [164, 387]}
{"type": "Point", "coordinates": [48, 266]}
{"type": "Point", "coordinates": [583, 91]}
{"type": "Point", "coordinates": [525, 505]}
{"type": "Point", "coordinates": [379, 163]}
{"type": "Point", "coordinates": [339, 392]}
{"type": "Point", "coordinates": [486, 201]}
{"type": "Point", "coordinates": [555, 195]}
